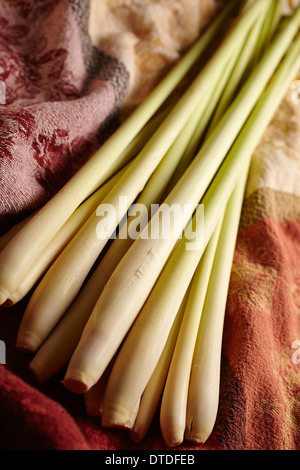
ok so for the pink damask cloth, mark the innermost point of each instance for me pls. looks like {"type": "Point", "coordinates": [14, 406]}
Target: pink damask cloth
{"type": "Point", "coordinates": [62, 100]}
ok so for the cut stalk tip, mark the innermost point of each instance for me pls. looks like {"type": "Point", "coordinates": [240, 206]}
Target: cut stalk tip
{"type": "Point", "coordinates": [114, 417]}
{"type": "Point", "coordinates": [28, 342]}
{"type": "Point", "coordinates": [75, 385]}
{"type": "Point", "coordinates": [8, 303]}
{"type": "Point", "coordinates": [195, 434]}
{"type": "Point", "coordinates": [4, 298]}
{"type": "Point", "coordinates": [173, 441]}
{"type": "Point", "coordinates": [198, 438]}
{"type": "Point", "coordinates": [34, 369]}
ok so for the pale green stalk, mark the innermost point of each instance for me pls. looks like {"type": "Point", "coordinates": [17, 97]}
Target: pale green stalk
{"type": "Point", "coordinates": [277, 15]}
{"type": "Point", "coordinates": [174, 400]}
{"type": "Point", "coordinates": [268, 26]}
{"type": "Point", "coordinates": [30, 242]}
{"type": "Point", "coordinates": [139, 269]}
{"type": "Point", "coordinates": [265, 34]}
{"type": "Point", "coordinates": [238, 75]}
{"type": "Point", "coordinates": [199, 401]}
{"type": "Point", "coordinates": [201, 124]}
{"type": "Point", "coordinates": [137, 144]}
{"type": "Point", "coordinates": [93, 399]}
{"type": "Point", "coordinates": [8, 236]}
{"type": "Point", "coordinates": [153, 391]}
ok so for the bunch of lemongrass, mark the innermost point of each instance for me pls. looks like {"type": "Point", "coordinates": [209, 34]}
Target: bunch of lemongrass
{"type": "Point", "coordinates": [59, 346]}
{"type": "Point", "coordinates": [106, 364]}
{"type": "Point", "coordinates": [134, 277]}
{"type": "Point", "coordinates": [148, 323]}
{"type": "Point", "coordinates": [67, 274]}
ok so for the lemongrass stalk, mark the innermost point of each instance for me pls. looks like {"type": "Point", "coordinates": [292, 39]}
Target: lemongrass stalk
{"type": "Point", "coordinates": [238, 75]}
{"type": "Point", "coordinates": [137, 144]}
{"type": "Point", "coordinates": [16, 261]}
{"type": "Point", "coordinates": [63, 237]}
{"type": "Point", "coordinates": [139, 269]}
{"type": "Point", "coordinates": [201, 401]}
{"type": "Point", "coordinates": [130, 423]}
{"type": "Point", "coordinates": [93, 403]}
{"type": "Point", "coordinates": [269, 25]}
{"type": "Point", "coordinates": [8, 236]}
{"type": "Point", "coordinates": [203, 121]}
{"type": "Point", "coordinates": [67, 274]}
{"type": "Point", "coordinates": [174, 399]}
{"type": "Point", "coordinates": [265, 34]}
{"type": "Point", "coordinates": [58, 348]}
{"type": "Point", "coordinates": [152, 394]}
{"type": "Point", "coordinates": [93, 399]}
{"type": "Point", "coordinates": [173, 407]}
{"type": "Point", "coordinates": [277, 16]}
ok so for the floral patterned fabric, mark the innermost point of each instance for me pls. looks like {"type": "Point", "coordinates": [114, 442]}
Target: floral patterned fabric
{"type": "Point", "coordinates": [59, 91]}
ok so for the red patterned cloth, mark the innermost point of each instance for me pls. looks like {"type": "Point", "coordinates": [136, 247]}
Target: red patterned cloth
{"type": "Point", "coordinates": [61, 102]}
{"type": "Point", "coordinates": [59, 90]}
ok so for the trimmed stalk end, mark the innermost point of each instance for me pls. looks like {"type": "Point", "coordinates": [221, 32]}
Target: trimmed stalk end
{"type": "Point", "coordinates": [196, 432]}
{"type": "Point", "coordinates": [28, 342]}
{"type": "Point", "coordinates": [37, 370]}
{"type": "Point", "coordinates": [113, 416]}
{"type": "Point", "coordinates": [76, 384]}
{"type": "Point", "coordinates": [4, 298]}
{"type": "Point", "coordinates": [173, 439]}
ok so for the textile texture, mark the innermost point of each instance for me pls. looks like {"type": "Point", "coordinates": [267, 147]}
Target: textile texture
{"type": "Point", "coordinates": [69, 68]}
